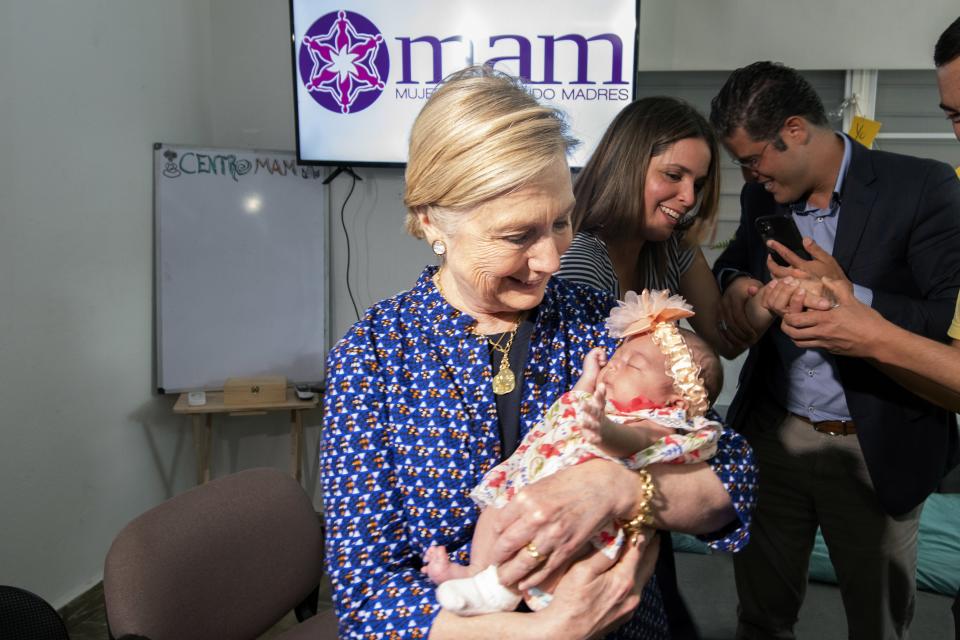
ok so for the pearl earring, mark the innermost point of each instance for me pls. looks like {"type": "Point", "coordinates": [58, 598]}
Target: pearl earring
{"type": "Point", "coordinates": [439, 248]}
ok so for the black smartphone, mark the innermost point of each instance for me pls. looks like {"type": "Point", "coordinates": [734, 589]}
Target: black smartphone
{"type": "Point", "coordinates": [784, 230]}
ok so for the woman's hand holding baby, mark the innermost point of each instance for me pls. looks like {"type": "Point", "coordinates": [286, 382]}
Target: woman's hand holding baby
{"type": "Point", "coordinates": [597, 594]}
{"type": "Point", "coordinates": [558, 514]}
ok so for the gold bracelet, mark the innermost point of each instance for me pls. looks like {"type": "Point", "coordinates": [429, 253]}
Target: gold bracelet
{"type": "Point", "coordinates": [644, 518]}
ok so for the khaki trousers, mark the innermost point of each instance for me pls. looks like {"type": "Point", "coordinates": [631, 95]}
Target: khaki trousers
{"type": "Point", "coordinates": [810, 479]}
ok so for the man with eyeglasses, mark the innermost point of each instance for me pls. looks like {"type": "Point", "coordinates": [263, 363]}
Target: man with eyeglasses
{"type": "Point", "coordinates": [927, 367]}
{"type": "Point", "coordinates": [840, 445]}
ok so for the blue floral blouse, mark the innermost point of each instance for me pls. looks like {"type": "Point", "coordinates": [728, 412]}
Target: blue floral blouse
{"type": "Point", "coordinates": [410, 428]}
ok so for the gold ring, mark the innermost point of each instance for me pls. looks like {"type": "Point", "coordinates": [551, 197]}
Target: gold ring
{"type": "Point", "coordinates": [532, 550]}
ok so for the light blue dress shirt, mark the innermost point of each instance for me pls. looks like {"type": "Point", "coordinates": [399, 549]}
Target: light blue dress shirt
{"type": "Point", "coordinates": [810, 375]}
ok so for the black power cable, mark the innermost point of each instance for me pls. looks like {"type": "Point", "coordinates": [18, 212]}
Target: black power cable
{"type": "Point", "coordinates": [346, 235]}
{"type": "Point", "coordinates": [343, 223]}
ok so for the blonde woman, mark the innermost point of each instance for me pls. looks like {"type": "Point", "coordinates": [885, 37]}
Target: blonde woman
{"type": "Point", "coordinates": [436, 385]}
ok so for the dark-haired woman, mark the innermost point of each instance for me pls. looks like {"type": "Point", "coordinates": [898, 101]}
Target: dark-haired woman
{"type": "Point", "coordinates": [644, 201]}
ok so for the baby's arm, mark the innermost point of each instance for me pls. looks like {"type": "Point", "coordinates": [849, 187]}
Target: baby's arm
{"type": "Point", "coordinates": [618, 440]}
{"type": "Point", "coordinates": [758, 315]}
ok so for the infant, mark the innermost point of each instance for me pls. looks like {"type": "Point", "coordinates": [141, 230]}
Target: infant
{"type": "Point", "coordinates": [646, 405]}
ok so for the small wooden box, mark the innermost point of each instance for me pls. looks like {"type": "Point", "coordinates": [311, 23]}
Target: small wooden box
{"type": "Point", "coordinates": [262, 390]}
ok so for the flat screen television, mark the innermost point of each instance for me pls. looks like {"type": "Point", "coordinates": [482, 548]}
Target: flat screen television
{"type": "Point", "coordinates": [363, 69]}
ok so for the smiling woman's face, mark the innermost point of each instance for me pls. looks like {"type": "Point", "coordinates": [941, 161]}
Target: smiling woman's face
{"type": "Point", "coordinates": [673, 183]}
{"type": "Point", "coordinates": [501, 255]}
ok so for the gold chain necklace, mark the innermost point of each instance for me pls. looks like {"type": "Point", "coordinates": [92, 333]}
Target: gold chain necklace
{"type": "Point", "coordinates": [504, 381]}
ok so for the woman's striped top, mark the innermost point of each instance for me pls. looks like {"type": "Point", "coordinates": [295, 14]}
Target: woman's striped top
{"type": "Point", "coordinates": [587, 261]}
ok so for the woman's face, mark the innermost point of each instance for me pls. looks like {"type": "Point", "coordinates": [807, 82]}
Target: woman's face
{"type": "Point", "coordinates": [673, 183]}
{"type": "Point", "coordinates": [501, 253]}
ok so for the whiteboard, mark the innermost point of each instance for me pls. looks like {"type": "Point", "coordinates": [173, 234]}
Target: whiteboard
{"type": "Point", "coordinates": [241, 266]}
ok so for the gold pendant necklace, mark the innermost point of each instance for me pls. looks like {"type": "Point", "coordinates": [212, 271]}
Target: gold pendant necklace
{"type": "Point", "coordinates": [504, 381]}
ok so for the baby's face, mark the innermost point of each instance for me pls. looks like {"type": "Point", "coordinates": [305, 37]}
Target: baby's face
{"type": "Point", "coordinates": [637, 370]}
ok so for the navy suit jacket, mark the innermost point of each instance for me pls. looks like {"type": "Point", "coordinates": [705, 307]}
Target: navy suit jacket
{"type": "Point", "coordinates": [898, 233]}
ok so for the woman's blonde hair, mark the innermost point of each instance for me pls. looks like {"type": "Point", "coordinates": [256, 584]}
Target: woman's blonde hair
{"type": "Point", "coordinates": [480, 136]}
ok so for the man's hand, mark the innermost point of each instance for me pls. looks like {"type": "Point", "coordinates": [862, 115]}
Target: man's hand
{"type": "Point", "coordinates": [790, 295]}
{"type": "Point", "coordinates": [850, 328]}
{"type": "Point", "coordinates": [822, 264]}
{"type": "Point", "coordinates": [782, 296]}
{"type": "Point", "coordinates": [734, 326]}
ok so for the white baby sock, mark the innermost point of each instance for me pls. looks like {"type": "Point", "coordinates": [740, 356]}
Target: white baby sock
{"type": "Point", "coordinates": [478, 595]}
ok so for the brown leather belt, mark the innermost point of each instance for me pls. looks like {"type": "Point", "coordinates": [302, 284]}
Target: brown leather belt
{"type": "Point", "coordinates": [831, 427]}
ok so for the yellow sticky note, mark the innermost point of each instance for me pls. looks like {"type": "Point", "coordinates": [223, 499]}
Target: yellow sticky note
{"type": "Point", "coordinates": [864, 130]}
{"type": "Point", "coordinates": [958, 172]}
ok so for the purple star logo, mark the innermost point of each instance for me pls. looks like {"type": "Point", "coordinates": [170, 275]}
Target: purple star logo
{"type": "Point", "coordinates": [344, 62]}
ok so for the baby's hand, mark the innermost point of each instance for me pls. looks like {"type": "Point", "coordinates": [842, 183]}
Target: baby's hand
{"type": "Point", "coordinates": [593, 363]}
{"type": "Point", "coordinates": [591, 417]}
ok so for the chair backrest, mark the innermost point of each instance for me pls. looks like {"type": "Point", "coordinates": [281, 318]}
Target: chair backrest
{"type": "Point", "coordinates": [27, 616]}
{"type": "Point", "coordinates": [224, 560]}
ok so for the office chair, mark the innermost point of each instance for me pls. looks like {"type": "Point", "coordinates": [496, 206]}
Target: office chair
{"type": "Point", "coordinates": [227, 560]}
{"type": "Point", "coordinates": [27, 616]}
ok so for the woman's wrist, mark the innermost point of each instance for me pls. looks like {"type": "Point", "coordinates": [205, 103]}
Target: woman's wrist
{"type": "Point", "coordinates": [561, 622]}
{"type": "Point", "coordinates": [643, 515]}
{"type": "Point", "coordinates": [551, 623]}
{"type": "Point", "coordinates": [631, 499]}
{"type": "Point", "coordinates": [625, 500]}
{"type": "Point", "coordinates": [547, 623]}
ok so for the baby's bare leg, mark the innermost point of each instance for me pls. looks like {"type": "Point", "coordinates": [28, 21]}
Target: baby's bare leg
{"type": "Point", "coordinates": [437, 563]}
{"type": "Point", "coordinates": [479, 591]}
{"type": "Point", "coordinates": [439, 569]}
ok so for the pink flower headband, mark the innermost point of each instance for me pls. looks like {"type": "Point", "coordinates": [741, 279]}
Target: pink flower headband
{"type": "Point", "coordinates": [657, 312]}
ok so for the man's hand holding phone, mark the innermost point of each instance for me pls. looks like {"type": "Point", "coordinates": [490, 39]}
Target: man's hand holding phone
{"type": "Point", "coordinates": [820, 264]}
{"type": "Point", "coordinates": [783, 229]}
{"type": "Point", "coordinates": [807, 274]}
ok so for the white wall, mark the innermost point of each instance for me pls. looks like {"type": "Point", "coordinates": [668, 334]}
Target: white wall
{"type": "Point", "coordinates": [250, 81]}
{"type": "Point", "coordinates": [692, 35]}
{"type": "Point", "coordinates": [84, 445]}
{"type": "Point", "coordinates": [87, 87]}
{"type": "Point", "coordinates": [384, 258]}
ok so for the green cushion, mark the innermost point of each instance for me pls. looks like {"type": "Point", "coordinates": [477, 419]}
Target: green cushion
{"type": "Point", "coordinates": [688, 544]}
{"type": "Point", "coordinates": [938, 548]}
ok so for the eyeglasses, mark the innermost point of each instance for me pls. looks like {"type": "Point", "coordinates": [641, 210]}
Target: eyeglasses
{"type": "Point", "coordinates": [753, 161]}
